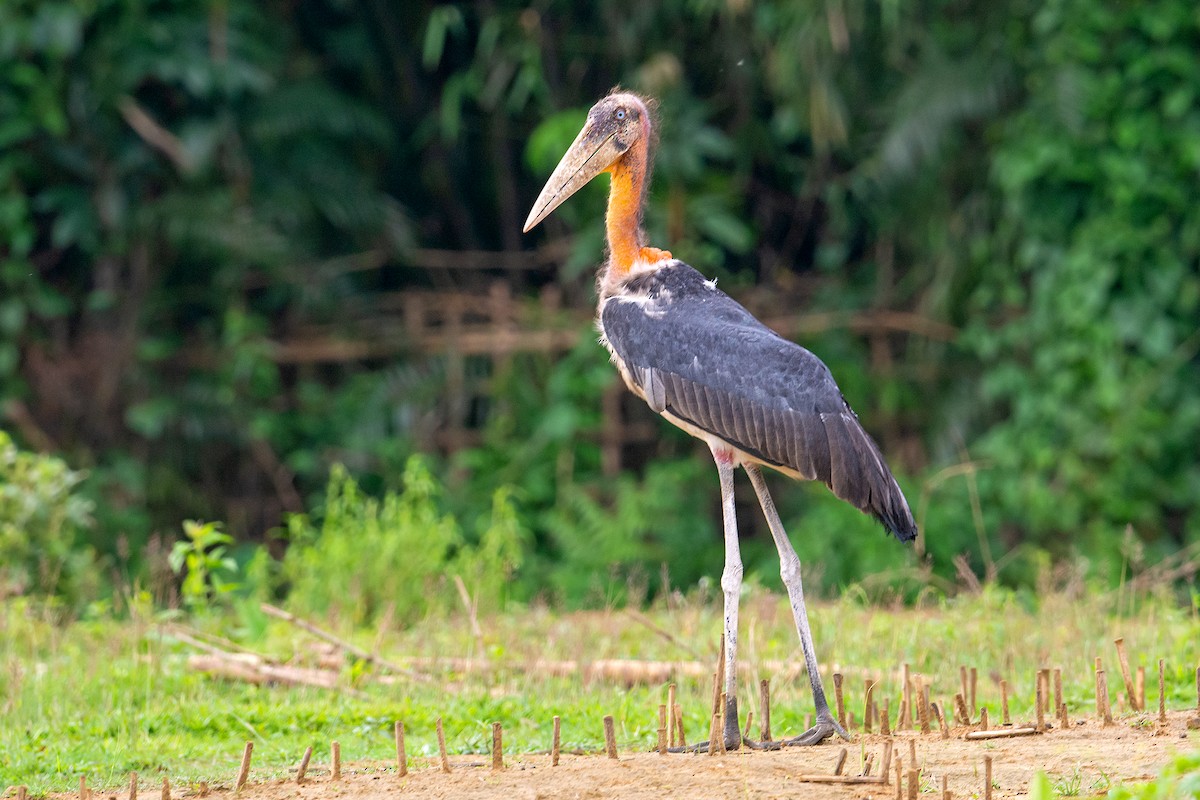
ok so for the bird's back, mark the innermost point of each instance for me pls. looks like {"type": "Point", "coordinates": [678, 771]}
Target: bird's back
{"type": "Point", "coordinates": [703, 361]}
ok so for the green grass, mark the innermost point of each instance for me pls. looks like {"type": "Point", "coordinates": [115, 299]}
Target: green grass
{"type": "Point", "coordinates": [105, 697]}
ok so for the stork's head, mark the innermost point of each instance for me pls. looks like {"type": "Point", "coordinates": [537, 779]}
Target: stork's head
{"type": "Point", "coordinates": [615, 125]}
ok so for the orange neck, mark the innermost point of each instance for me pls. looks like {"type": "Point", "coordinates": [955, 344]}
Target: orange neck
{"type": "Point", "coordinates": [625, 199]}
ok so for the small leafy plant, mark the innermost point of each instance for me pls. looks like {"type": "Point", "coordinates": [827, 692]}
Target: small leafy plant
{"type": "Point", "coordinates": [201, 559]}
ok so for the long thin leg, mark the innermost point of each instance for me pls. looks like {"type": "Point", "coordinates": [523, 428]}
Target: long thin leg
{"type": "Point", "coordinates": [789, 570]}
{"type": "Point", "coordinates": [731, 587]}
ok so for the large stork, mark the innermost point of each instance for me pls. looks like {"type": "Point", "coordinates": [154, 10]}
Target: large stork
{"type": "Point", "coordinates": [701, 360]}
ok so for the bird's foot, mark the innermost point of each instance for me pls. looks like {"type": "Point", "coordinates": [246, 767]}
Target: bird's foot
{"type": "Point", "coordinates": [731, 737]}
{"type": "Point", "coordinates": [826, 726]}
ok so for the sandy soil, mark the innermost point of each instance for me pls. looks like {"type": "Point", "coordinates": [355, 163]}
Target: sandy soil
{"type": "Point", "coordinates": [1086, 754]}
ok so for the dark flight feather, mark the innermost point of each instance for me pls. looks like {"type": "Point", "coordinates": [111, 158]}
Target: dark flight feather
{"type": "Point", "coordinates": [697, 354]}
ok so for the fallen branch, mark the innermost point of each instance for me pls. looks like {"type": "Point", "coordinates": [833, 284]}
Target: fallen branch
{"type": "Point", "coordinates": [1002, 733]}
{"type": "Point", "coordinates": [348, 647]}
{"type": "Point", "coordinates": [253, 670]}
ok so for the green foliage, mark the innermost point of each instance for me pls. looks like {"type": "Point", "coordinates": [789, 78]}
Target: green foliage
{"type": "Point", "coordinates": [367, 555]}
{"type": "Point", "coordinates": [202, 561]}
{"type": "Point", "coordinates": [1178, 780]}
{"type": "Point", "coordinates": [43, 520]}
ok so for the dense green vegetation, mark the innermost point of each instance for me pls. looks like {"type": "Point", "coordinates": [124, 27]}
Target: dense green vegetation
{"type": "Point", "coordinates": [185, 185]}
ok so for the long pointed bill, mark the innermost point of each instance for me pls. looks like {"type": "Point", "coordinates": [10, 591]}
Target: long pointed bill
{"type": "Point", "coordinates": [591, 153]}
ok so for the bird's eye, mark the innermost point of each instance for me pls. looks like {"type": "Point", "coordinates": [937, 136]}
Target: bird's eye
{"type": "Point", "coordinates": [620, 113]}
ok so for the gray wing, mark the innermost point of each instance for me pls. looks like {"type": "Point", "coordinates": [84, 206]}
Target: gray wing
{"type": "Point", "coordinates": [699, 355]}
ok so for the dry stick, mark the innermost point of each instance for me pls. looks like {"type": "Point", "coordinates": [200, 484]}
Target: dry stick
{"type": "Point", "coordinates": [244, 772]}
{"type": "Point", "coordinates": [671, 715]}
{"type": "Point", "coordinates": [133, 786]}
{"type": "Point", "coordinates": [987, 778]}
{"type": "Point", "coordinates": [1040, 702]}
{"type": "Point", "coordinates": [1004, 702]}
{"type": "Point", "coordinates": [749, 721]}
{"type": "Point", "coordinates": [497, 747]}
{"type": "Point", "coordinates": [870, 762]}
{"type": "Point", "coordinates": [610, 736]}
{"type": "Point", "coordinates": [303, 768]}
{"type": "Point", "coordinates": [714, 730]}
{"type": "Point", "coordinates": [1139, 683]}
{"type": "Point", "coordinates": [914, 781]}
{"type": "Point", "coordinates": [764, 709]}
{"type": "Point", "coordinates": [1162, 695]}
{"type": "Point", "coordinates": [912, 753]}
{"type": "Point", "coordinates": [401, 755]}
{"type": "Point", "coordinates": [1062, 715]}
{"type": "Point", "coordinates": [1057, 688]}
{"type": "Point", "coordinates": [971, 697]}
{"type": "Point", "coordinates": [166, 789]}
{"type": "Point", "coordinates": [884, 719]}
{"type": "Point", "coordinates": [335, 756]}
{"type": "Point", "coordinates": [1198, 688]}
{"type": "Point", "coordinates": [901, 714]}
{"type": "Point", "coordinates": [841, 761]}
{"type": "Point", "coordinates": [886, 764]}
{"type": "Point", "coordinates": [962, 679]}
{"type": "Point", "coordinates": [945, 789]}
{"type": "Point", "coordinates": [469, 606]}
{"type": "Point", "coordinates": [923, 711]}
{"type": "Point", "coordinates": [840, 700]}
{"type": "Point", "coordinates": [441, 737]}
{"type": "Point", "coordinates": [905, 719]}
{"type": "Point", "coordinates": [353, 649]}
{"type": "Point", "coordinates": [899, 778]}
{"type": "Point", "coordinates": [83, 790]}
{"type": "Point", "coordinates": [1099, 702]}
{"type": "Point", "coordinates": [22, 792]}
{"type": "Point", "coordinates": [1130, 689]}
{"type": "Point", "coordinates": [662, 729]}
{"type": "Point", "coordinates": [1044, 676]}
{"type": "Point", "coordinates": [204, 788]}
{"type": "Point", "coordinates": [868, 707]}
{"type": "Point", "coordinates": [721, 730]}
{"type": "Point", "coordinates": [1000, 733]}
{"type": "Point", "coordinates": [983, 718]}
{"type": "Point", "coordinates": [554, 748]}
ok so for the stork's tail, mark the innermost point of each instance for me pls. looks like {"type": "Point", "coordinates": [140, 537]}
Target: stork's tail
{"type": "Point", "coordinates": [859, 475]}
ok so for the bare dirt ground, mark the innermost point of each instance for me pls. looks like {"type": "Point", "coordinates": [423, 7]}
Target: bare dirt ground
{"type": "Point", "coordinates": [1084, 758]}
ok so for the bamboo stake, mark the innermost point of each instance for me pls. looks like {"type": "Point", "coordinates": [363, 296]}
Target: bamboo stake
{"type": "Point", "coordinates": [1062, 715]}
{"type": "Point", "coordinates": [868, 706]}
{"type": "Point", "coordinates": [22, 792]}
{"type": "Point", "coordinates": [166, 789]}
{"type": "Point", "coordinates": [749, 724]}
{"type": "Point", "coordinates": [1004, 703]}
{"type": "Point", "coordinates": [401, 754]}
{"type": "Point", "coordinates": [671, 737]}
{"type": "Point", "coordinates": [441, 737]}
{"type": "Point", "coordinates": [912, 753]}
{"type": "Point", "coordinates": [941, 718]}
{"type": "Point", "coordinates": [497, 747]}
{"type": "Point", "coordinates": [840, 700]}
{"type": "Point", "coordinates": [133, 787]}
{"type": "Point", "coordinates": [244, 772]}
{"type": "Point", "coordinates": [867, 766]}
{"type": "Point", "coordinates": [1099, 702]}
{"type": "Point", "coordinates": [987, 777]}
{"type": "Point", "coordinates": [336, 757]}
{"type": "Point", "coordinates": [83, 788]}
{"type": "Point", "coordinates": [721, 723]}
{"type": "Point", "coordinates": [1044, 676]}
{"type": "Point", "coordinates": [886, 764]}
{"type": "Point", "coordinates": [204, 788]}
{"type": "Point", "coordinates": [1057, 688]}
{"type": "Point", "coordinates": [905, 720]}
{"type": "Point", "coordinates": [554, 748]}
{"type": "Point", "coordinates": [610, 736]}
{"type": "Point", "coordinates": [662, 729]}
{"type": "Point", "coordinates": [303, 768]}
{"type": "Point", "coordinates": [923, 711]}
{"type": "Point", "coordinates": [899, 778]}
{"type": "Point", "coordinates": [974, 676]}
{"type": "Point", "coordinates": [679, 725]}
{"type": "Point", "coordinates": [1102, 697]}
{"type": "Point", "coordinates": [1139, 683]}
{"type": "Point", "coordinates": [841, 761]}
{"type": "Point", "coordinates": [1130, 689]}
{"type": "Point", "coordinates": [960, 705]}
{"type": "Point", "coordinates": [714, 730]}
{"type": "Point", "coordinates": [962, 679]}
{"type": "Point", "coordinates": [764, 709]}
{"type": "Point", "coordinates": [914, 783]}
{"type": "Point", "coordinates": [885, 719]}
{"type": "Point", "coordinates": [1040, 701]}
{"type": "Point", "coordinates": [983, 718]}
{"type": "Point", "coordinates": [945, 788]}
{"type": "Point", "coordinates": [1162, 691]}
